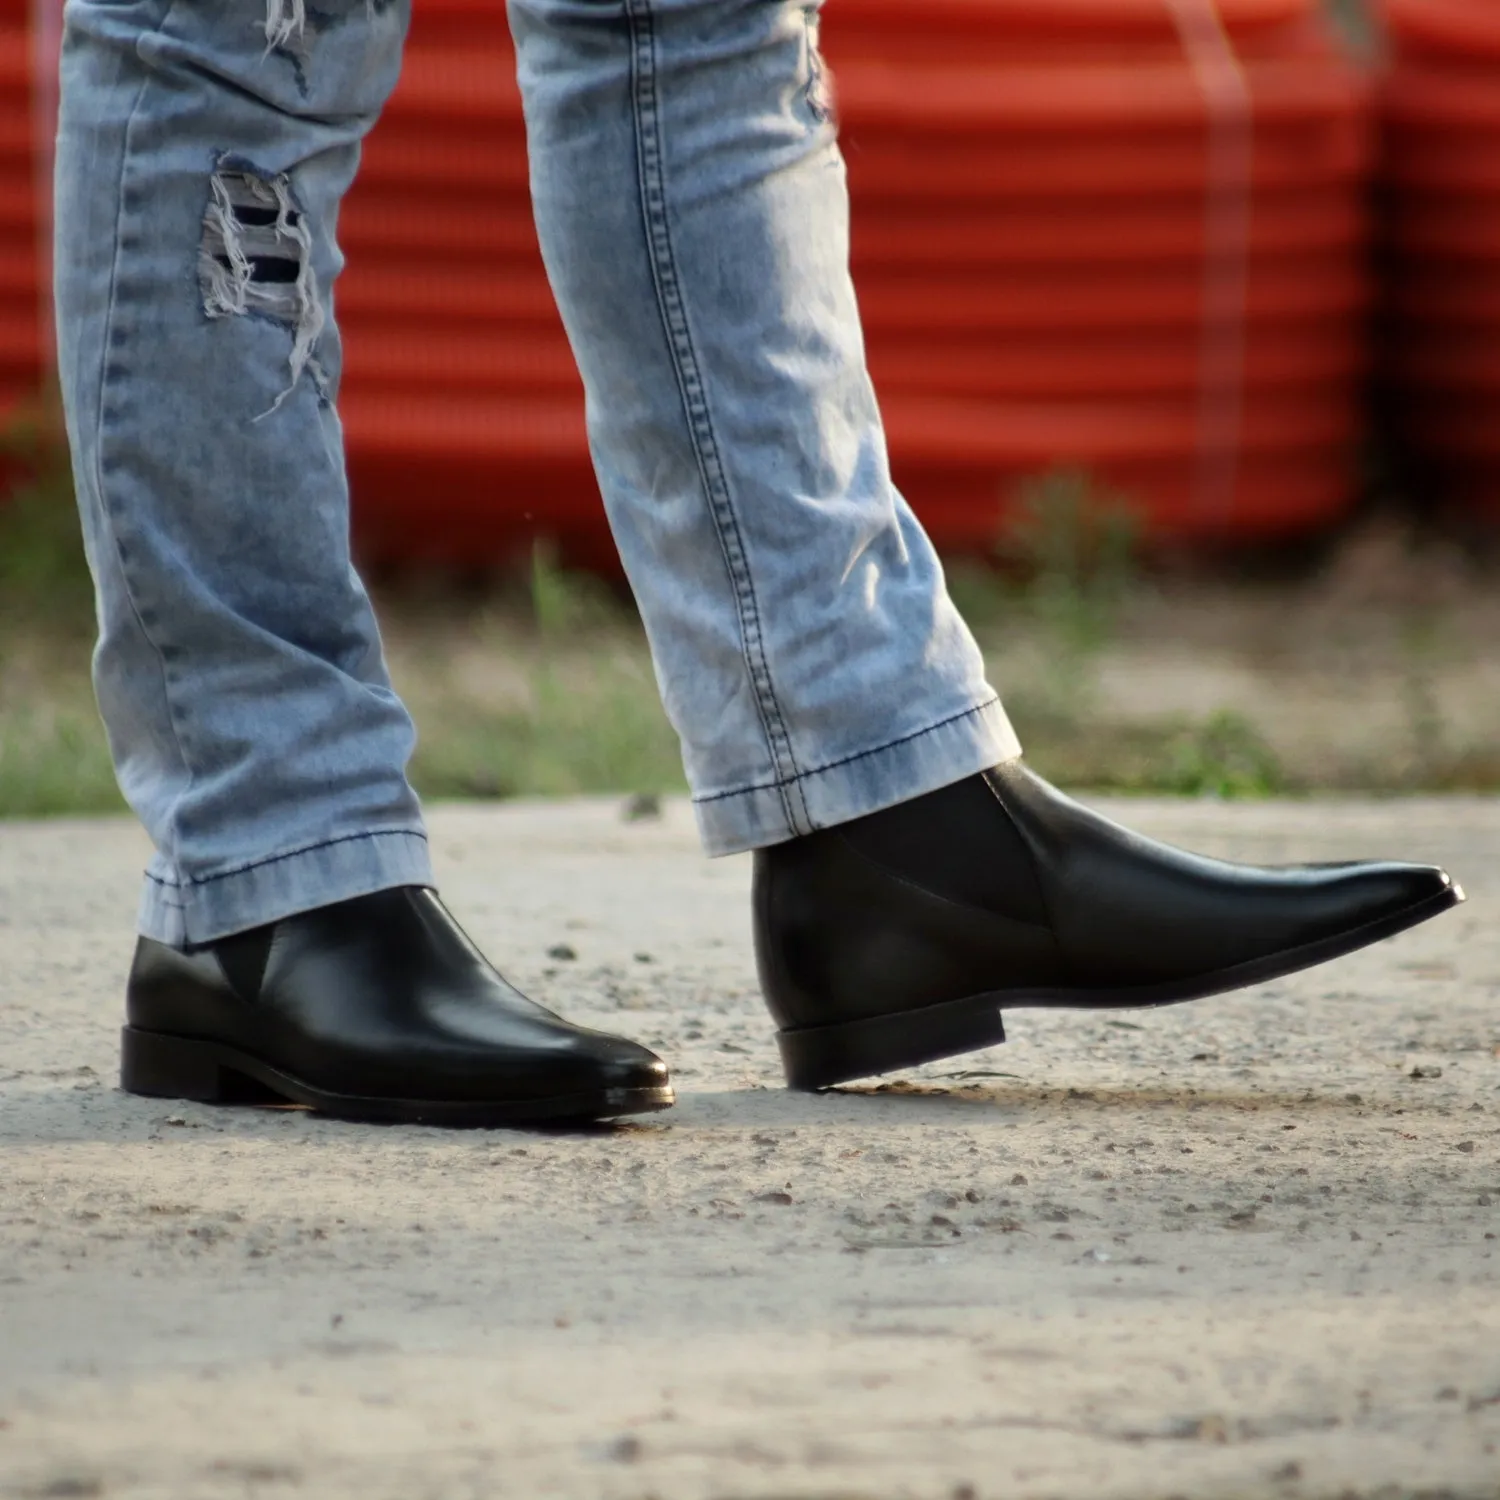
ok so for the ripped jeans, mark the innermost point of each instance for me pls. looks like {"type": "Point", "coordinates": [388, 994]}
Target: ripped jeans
{"type": "Point", "coordinates": [694, 220]}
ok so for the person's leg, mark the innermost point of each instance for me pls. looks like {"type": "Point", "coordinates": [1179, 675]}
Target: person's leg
{"type": "Point", "coordinates": [912, 877]}
{"type": "Point", "coordinates": [289, 945]}
{"type": "Point", "coordinates": [202, 154]}
{"type": "Point", "coordinates": [691, 205]}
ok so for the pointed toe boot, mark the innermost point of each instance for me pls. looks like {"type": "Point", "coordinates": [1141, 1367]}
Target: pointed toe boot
{"type": "Point", "coordinates": [377, 1008]}
{"type": "Point", "coordinates": [902, 937]}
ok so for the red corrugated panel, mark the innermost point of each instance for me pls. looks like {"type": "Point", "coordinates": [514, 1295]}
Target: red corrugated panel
{"type": "Point", "coordinates": [1440, 164]}
{"type": "Point", "coordinates": [1097, 232]}
{"type": "Point", "coordinates": [20, 260]}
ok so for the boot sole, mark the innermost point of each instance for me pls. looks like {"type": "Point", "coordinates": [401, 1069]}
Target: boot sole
{"type": "Point", "coordinates": [172, 1067]}
{"type": "Point", "coordinates": [817, 1057]}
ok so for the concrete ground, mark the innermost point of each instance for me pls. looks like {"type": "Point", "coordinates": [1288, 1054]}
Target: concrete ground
{"type": "Point", "coordinates": [1245, 1247]}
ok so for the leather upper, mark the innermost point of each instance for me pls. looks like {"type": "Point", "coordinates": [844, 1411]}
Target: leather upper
{"type": "Point", "coordinates": [841, 936]}
{"type": "Point", "coordinates": [380, 996]}
{"type": "Point", "coordinates": [1129, 910]}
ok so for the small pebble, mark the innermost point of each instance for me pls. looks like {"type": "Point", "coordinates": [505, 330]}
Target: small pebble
{"type": "Point", "coordinates": [625, 1449]}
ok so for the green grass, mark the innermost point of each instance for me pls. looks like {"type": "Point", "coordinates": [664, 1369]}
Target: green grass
{"type": "Point", "coordinates": [581, 711]}
{"type": "Point", "coordinates": [589, 720]}
{"type": "Point", "coordinates": [1061, 575]}
{"type": "Point", "coordinates": [542, 683]}
{"type": "Point", "coordinates": [605, 739]}
{"type": "Point", "coordinates": [44, 578]}
{"type": "Point", "coordinates": [54, 764]}
{"type": "Point", "coordinates": [53, 756]}
{"type": "Point", "coordinates": [592, 725]}
{"type": "Point", "coordinates": [1221, 755]}
{"type": "Point", "coordinates": [1061, 572]}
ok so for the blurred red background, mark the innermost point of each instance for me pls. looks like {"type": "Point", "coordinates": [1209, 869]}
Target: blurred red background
{"type": "Point", "coordinates": [1128, 236]}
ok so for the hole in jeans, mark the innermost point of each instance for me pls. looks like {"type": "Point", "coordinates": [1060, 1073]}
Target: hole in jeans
{"type": "Point", "coordinates": [819, 91]}
{"type": "Point", "coordinates": [255, 258]}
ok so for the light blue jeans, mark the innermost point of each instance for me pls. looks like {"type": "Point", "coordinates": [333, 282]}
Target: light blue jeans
{"type": "Point", "coordinates": [694, 218]}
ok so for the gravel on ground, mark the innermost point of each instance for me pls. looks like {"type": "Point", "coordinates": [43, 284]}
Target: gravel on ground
{"type": "Point", "coordinates": [1245, 1247]}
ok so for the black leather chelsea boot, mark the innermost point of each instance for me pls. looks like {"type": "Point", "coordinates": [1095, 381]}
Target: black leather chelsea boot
{"type": "Point", "coordinates": [901, 937]}
{"type": "Point", "coordinates": [378, 1008]}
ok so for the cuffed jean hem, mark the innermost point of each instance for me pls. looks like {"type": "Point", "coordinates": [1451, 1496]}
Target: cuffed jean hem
{"type": "Point", "coordinates": [961, 745]}
{"type": "Point", "coordinates": [204, 910]}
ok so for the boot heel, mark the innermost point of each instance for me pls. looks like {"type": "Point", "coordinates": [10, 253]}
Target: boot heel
{"type": "Point", "coordinates": [173, 1067]}
{"type": "Point", "coordinates": [817, 1057]}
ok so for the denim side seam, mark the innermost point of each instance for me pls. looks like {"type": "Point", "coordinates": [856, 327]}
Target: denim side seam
{"type": "Point", "coordinates": [673, 309]}
{"type": "Point", "coordinates": [109, 371]}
